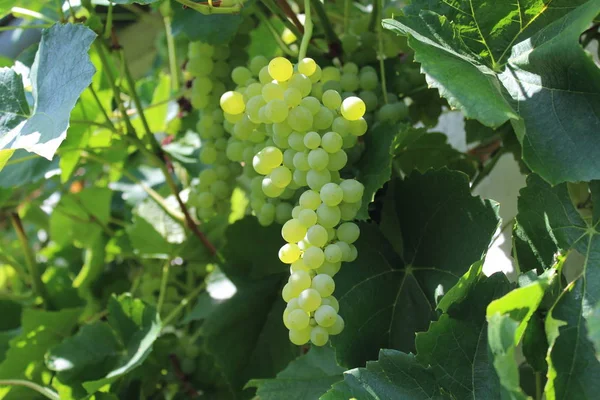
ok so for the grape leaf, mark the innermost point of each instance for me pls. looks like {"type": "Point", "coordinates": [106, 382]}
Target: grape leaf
{"type": "Point", "coordinates": [60, 72]}
{"type": "Point", "coordinates": [572, 365]}
{"type": "Point", "coordinates": [25, 168]}
{"type": "Point", "coordinates": [593, 326]}
{"type": "Point", "coordinates": [102, 352]}
{"type": "Point", "coordinates": [306, 378]}
{"type": "Point", "coordinates": [395, 375]}
{"type": "Point", "coordinates": [245, 334]}
{"type": "Point", "coordinates": [497, 63]}
{"type": "Point", "coordinates": [134, 1]}
{"type": "Point", "coordinates": [391, 290]}
{"type": "Point", "coordinates": [456, 345]}
{"type": "Point", "coordinates": [213, 29]}
{"type": "Point", "coordinates": [375, 166]}
{"type": "Point", "coordinates": [40, 331]}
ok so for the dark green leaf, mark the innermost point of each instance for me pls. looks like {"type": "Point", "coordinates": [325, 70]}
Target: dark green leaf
{"type": "Point", "coordinates": [306, 378]}
{"type": "Point", "coordinates": [213, 29]}
{"type": "Point", "coordinates": [103, 352]}
{"type": "Point", "coordinates": [61, 71]}
{"type": "Point", "coordinates": [395, 375]}
{"type": "Point", "coordinates": [24, 168]}
{"type": "Point", "coordinates": [593, 326]}
{"type": "Point", "coordinates": [391, 290]}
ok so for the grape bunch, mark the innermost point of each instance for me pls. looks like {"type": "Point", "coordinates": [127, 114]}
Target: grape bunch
{"type": "Point", "coordinates": [291, 128]}
{"type": "Point", "coordinates": [209, 67]}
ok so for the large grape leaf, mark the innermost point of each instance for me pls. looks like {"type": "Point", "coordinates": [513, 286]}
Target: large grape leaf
{"type": "Point", "coordinates": [213, 29]}
{"type": "Point", "coordinates": [497, 62]}
{"type": "Point", "coordinates": [103, 352]}
{"type": "Point", "coordinates": [432, 231]}
{"type": "Point", "coordinates": [573, 367]}
{"type": "Point", "coordinates": [306, 378]}
{"type": "Point", "coordinates": [456, 345]}
{"type": "Point", "coordinates": [245, 334]}
{"type": "Point", "coordinates": [40, 331]}
{"type": "Point", "coordinates": [60, 72]}
{"type": "Point", "coordinates": [395, 375]}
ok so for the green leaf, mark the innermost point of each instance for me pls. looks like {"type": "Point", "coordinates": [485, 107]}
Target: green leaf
{"type": "Point", "coordinates": [404, 267]}
{"type": "Point", "coordinates": [40, 331]}
{"type": "Point", "coordinates": [101, 353]}
{"type": "Point", "coordinates": [497, 63]}
{"type": "Point", "coordinates": [80, 217]}
{"type": "Point", "coordinates": [375, 166]}
{"type": "Point", "coordinates": [134, 1]}
{"type": "Point", "coordinates": [61, 71]}
{"type": "Point", "coordinates": [24, 168]}
{"type": "Point", "coordinates": [245, 334]}
{"type": "Point", "coordinates": [13, 103]}
{"type": "Point", "coordinates": [593, 326]}
{"type": "Point", "coordinates": [456, 346]}
{"type": "Point", "coordinates": [306, 378]}
{"type": "Point", "coordinates": [146, 241]}
{"type": "Point", "coordinates": [212, 29]}
{"type": "Point", "coordinates": [170, 229]}
{"type": "Point", "coordinates": [395, 375]}
{"type": "Point", "coordinates": [572, 365]}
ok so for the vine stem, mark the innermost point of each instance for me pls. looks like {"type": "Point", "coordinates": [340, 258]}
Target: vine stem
{"type": "Point", "coordinates": [46, 392]}
{"type": "Point", "coordinates": [163, 286]}
{"type": "Point", "coordinates": [330, 34]}
{"type": "Point", "coordinates": [287, 10]}
{"type": "Point", "coordinates": [172, 53]}
{"type": "Point", "coordinates": [36, 278]}
{"type": "Point", "coordinates": [308, 29]}
{"type": "Point", "coordinates": [381, 61]}
{"type": "Point", "coordinates": [184, 302]}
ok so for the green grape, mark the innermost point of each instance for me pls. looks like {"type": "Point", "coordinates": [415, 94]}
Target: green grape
{"type": "Point", "coordinates": [200, 100]}
{"type": "Point", "coordinates": [331, 194]}
{"type": "Point", "coordinates": [323, 119]}
{"type": "Point", "coordinates": [358, 127]}
{"type": "Point", "coordinates": [202, 84]}
{"type": "Point", "coordinates": [348, 232]}
{"type": "Point", "coordinates": [330, 301]}
{"type": "Point", "coordinates": [318, 159]}
{"type": "Point", "coordinates": [280, 69]}
{"type": "Point", "coordinates": [370, 99]}
{"type": "Point", "coordinates": [301, 161]}
{"type": "Point", "coordinates": [207, 177]}
{"type": "Point", "coordinates": [299, 265]}
{"type": "Point", "coordinates": [349, 43]}
{"type": "Point", "coordinates": [313, 257]}
{"type": "Point", "coordinates": [281, 176]}
{"type": "Point", "coordinates": [257, 64]}
{"type": "Point", "coordinates": [330, 74]}
{"type": "Point", "coordinates": [293, 231]}
{"type": "Point", "coordinates": [254, 89]}
{"type": "Point", "coordinates": [317, 90]}
{"type": "Point", "coordinates": [270, 189]}
{"type": "Point", "coordinates": [286, 314]}
{"type": "Point", "coordinates": [317, 235]}
{"type": "Point", "coordinates": [300, 280]}
{"type": "Point", "coordinates": [296, 141]}
{"type": "Point", "coordinates": [264, 76]}
{"type": "Point", "coordinates": [312, 104]}
{"type": "Point", "coordinates": [277, 110]}
{"type": "Point", "coordinates": [289, 253]}
{"type": "Point", "coordinates": [350, 68]}
{"type": "Point", "coordinates": [338, 326]}
{"type": "Point", "coordinates": [292, 97]}
{"type": "Point", "coordinates": [325, 316]}
{"type": "Point", "coordinates": [341, 125]}
{"type": "Point", "coordinates": [353, 254]}
{"type": "Point", "coordinates": [205, 200]}
{"type": "Point", "coordinates": [302, 83]}
{"type": "Point", "coordinates": [200, 49]}
{"type": "Point", "coordinates": [265, 219]}
{"type": "Point", "coordinates": [349, 210]}
{"type": "Point", "coordinates": [286, 293]}
{"type": "Point", "coordinates": [296, 211]}
{"type": "Point", "coordinates": [316, 76]}
{"type": "Point", "coordinates": [298, 319]}
{"type": "Point", "coordinates": [316, 179]}
{"type": "Point", "coordinates": [253, 106]}
{"type": "Point", "coordinates": [260, 165]}
{"type": "Point", "coordinates": [232, 103]}
{"type": "Point", "coordinates": [300, 337]}
{"type": "Point", "coordinates": [323, 284]}
{"type": "Point", "coordinates": [200, 66]}
{"type": "Point", "coordinates": [307, 66]}
{"type": "Point", "coordinates": [208, 155]}
{"type": "Point", "coordinates": [353, 190]}
{"type": "Point", "coordinates": [312, 140]}
{"type": "Point", "coordinates": [300, 119]}
{"type": "Point", "coordinates": [332, 142]}
{"type": "Point", "coordinates": [349, 82]}
{"type": "Point", "coordinates": [310, 299]}
{"type": "Point", "coordinates": [332, 99]}
{"type": "Point", "coordinates": [328, 216]}
{"type": "Point", "coordinates": [282, 128]}
{"type": "Point", "coordinates": [353, 108]}
{"type": "Point", "coordinates": [300, 178]}
{"type": "Point", "coordinates": [368, 80]}
{"type": "Point", "coordinates": [307, 217]}
{"type": "Point", "coordinates": [272, 91]}
{"type": "Point", "coordinates": [319, 336]}
{"type": "Point", "coordinates": [288, 158]}
{"type": "Point", "coordinates": [346, 251]}
{"type": "Point", "coordinates": [333, 85]}
{"type": "Point", "coordinates": [241, 75]}
{"type": "Point", "coordinates": [332, 253]}
{"type": "Point", "coordinates": [329, 268]}
{"type": "Point", "coordinates": [337, 160]}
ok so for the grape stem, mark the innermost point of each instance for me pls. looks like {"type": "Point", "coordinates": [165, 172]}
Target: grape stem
{"type": "Point", "coordinates": [36, 278]}
{"type": "Point", "coordinates": [163, 286]}
{"type": "Point", "coordinates": [184, 302]}
{"type": "Point", "coordinates": [171, 48]}
{"type": "Point", "coordinates": [308, 29]}
{"type": "Point", "coordinates": [330, 34]}
{"type": "Point", "coordinates": [380, 43]}
{"type": "Point", "coordinates": [44, 391]}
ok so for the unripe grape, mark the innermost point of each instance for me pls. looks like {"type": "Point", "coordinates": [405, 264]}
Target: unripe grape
{"type": "Point", "coordinates": [329, 268]}
{"type": "Point", "coordinates": [318, 159]}
{"type": "Point", "coordinates": [300, 119]}
{"type": "Point", "coordinates": [337, 327]}
{"type": "Point", "coordinates": [328, 216]}
{"type": "Point", "coordinates": [329, 301]}
{"type": "Point", "coordinates": [301, 161]}
{"type": "Point", "coordinates": [300, 280]}
{"type": "Point", "coordinates": [317, 235]}
{"type": "Point", "coordinates": [332, 99]}
{"type": "Point", "coordinates": [330, 74]}
{"type": "Point", "coordinates": [272, 91]}
{"type": "Point", "coordinates": [299, 265]}
{"type": "Point", "coordinates": [289, 253]}
{"type": "Point", "coordinates": [280, 69]}
{"type": "Point", "coordinates": [353, 108]}
{"type": "Point", "coordinates": [298, 319]}
{"type": "Point", "coordinates": [300, 178]}
{"type": "Point", "coordinates": [325, 316]}
{"type": "Point", "coordinates": [296, 141]}
{"type": "Point", "coordinates": [331, 194]}
{"type": "Point", "coordinates": [313, 257]}
{"type": "Point", "coordinates": [232, 103]}
{"type": "Point", "coordinates": [292, 96]}
{"type": "Point", "coordinates": [316, 179]}
{"type": "Point", "coordinates": [257, 63]}
{"type": "Point", "coordinates": [307, 217]}
{"type": "Point", "coordinates": [348, 232]}
{"type": "Point", "coordinates": [293, 231]}
{"type": "Point", "coordinates": [277, 110]}
{"type": "Point", "coordinates": [333, 253]}
{"type": "Point", "coordinates": [337, 160]}
{"type": "Point", "coordinates": [346, 251]}
{"type": "Point", "coordinates": [312, 140]}
{"type": "Point", "coordinates": [323, 119]}
{"type": "Point", "coordinates": [310, 199]}
{"type": "Point", "coordinates": [307, 66]}
{"type": "Point", "coordinates": [312, 104]}
{"type": "Point", "coordinates": [353, 254]}
{"type": "Point", "coordinates": [300, 337]}
{"type": "Point", "coordinates": [270, 189]}
{"type": "Point", "coordinates": [240, 75]}
{"type": "Point", "coordinates": [319, 336]}
{"type": "Point", "coordinates": [358, 127]}
{"type": "Point", "coordinates": [353, 190]}
{"type": "Point", "coordinates": [281, 176]}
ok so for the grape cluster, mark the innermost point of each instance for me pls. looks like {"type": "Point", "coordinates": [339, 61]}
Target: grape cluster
{"type": "Point", "coordinates": [209, 67]}
{"type": "Point", "coordinates": [291, 128]}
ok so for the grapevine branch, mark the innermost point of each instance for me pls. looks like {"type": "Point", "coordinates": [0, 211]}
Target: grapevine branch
{"type": "Point", "coordinates": [44, 391]}
{"type": "Point", "coordinates": [308, 29]}
{"type": "Point", "coordinates": [283, 4]}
